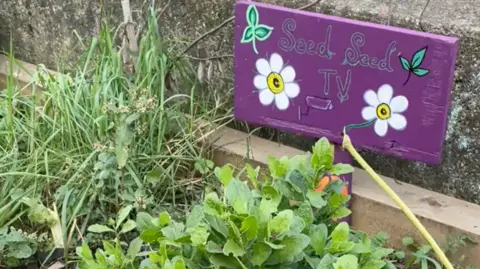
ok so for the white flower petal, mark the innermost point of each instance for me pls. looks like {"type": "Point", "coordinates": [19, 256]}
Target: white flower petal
{"type": "Point", "coordinates": [281, 100]}
{"type": "Point", "coordinates": [385, 93]}
{"type": "Point", "coordinates": [288, 74]}
{"type": "Point", "coordinates": [398, 122]}
{"type": "Point", "coordinates": [260, 82]}
{"type": "Point", "coordinates": [369, 113]}
{"type": "Point", "coordinates": [399, 104]}
{"type": "Point", "coordinates": [292, 89]}
{"type": "Point", "coordinates": [263, 67]}
{"type": "Point", "coordinates": [381, 127]}
{"type": "Point", "coordinates": [371, 98]}
{"type": "Point", "coordinates": [276, 63]}
{"type": "Point", "coordinates": [266, 97]}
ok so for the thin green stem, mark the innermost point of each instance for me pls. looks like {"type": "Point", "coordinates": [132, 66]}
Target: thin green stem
{"type": "Point", "coordinates": [254, 45]}
{"type": "Point", "coordinates": [359, 125]}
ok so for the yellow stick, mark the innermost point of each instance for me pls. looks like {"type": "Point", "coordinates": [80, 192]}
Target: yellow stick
{"type": "Point", "coordinates": [347, 144]}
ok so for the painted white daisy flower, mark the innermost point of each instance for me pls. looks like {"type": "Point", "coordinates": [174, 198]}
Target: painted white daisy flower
{"type": "Point", "coordinates": [385, 110]}
{"type": "Point", "coordinates": [275, 82]}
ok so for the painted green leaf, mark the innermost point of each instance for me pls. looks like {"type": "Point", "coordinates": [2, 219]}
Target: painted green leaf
{"type": "Point", "coordinates": [318, 238]}
{"type": "Point", "coordinates": [420, 72]}
{"type": "Point", "coordinates": [262, 32]}
{"type": "Point", "coordinates": [405, 63]}
{"type": "Point", "coordinates": [281, 222]}
{"type": "Point", "coordinates": [260, 253]}
{"type": "Point", "coordinates": [252, 16]}
{"type": "Point", "coordinates": [248, 35]}
{"type": "Point", "coordinates": [348, 261]}
{"type": "Point", "coordinates": [418, 57]}
{"type": "Point", "coordinates": [233, 248]}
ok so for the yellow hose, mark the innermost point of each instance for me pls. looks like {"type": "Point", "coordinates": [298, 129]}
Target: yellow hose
{"type": "Point", "coordinates": [347, 144]}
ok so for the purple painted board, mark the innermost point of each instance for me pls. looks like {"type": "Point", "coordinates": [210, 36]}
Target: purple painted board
{"type": "Point", "coordinates": [315, 74]}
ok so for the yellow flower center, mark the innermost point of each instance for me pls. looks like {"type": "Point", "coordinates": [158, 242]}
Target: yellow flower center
{"type": "Point", "coordinates": [383, 112]}
{"type": "Point", "coordinates": [275, 83]}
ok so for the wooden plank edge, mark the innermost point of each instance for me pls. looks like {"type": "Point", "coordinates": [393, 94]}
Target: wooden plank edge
{"type": "Point", "coordinates": [373, 210]}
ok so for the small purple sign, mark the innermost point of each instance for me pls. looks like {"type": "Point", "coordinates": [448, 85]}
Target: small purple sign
{"type": "Point", "coordinates": [316, 75]}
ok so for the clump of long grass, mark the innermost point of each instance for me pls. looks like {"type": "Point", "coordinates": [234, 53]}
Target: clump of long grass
{"type": "Point", "coordinates": [103, 135]}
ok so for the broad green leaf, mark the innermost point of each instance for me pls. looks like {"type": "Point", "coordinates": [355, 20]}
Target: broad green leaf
{"type": "Point", "coordinates": [322, 154]}
{"type": "Point", "coordinates": [217, 224]}
{"type": "Point", "coordinates": [100, 256]}
{"type": "Point", "coordinates": [277, 168]}
{"type": "Point", "coordinates": [21, 250]}
{"type": "Point", "coordinates": [212, 247]}
{"type": "Point", "coordinates": [134, 248]}
{"type": "Point", "coordinates": [199, 235]}
{"type": "Point", "coordinates": [154, 176]}
{"type": "Point", "coordinates": [327, 262]}
{"type": "Point", "coordinates": [133, 117]}
{"type": "Point", "coordinates": [234, 232]}
{"type": "Point", "coordinates": [281, 222]}
{"type": "Point", "coordinates": [253, 174]}
{"type": "Point", "coordinates": [233, 248]}
{"type": "Point", "coordinates": [123, 214]}
{"type": "Point", "coordinates": [340, 247]}
{"type": "Point", "coordinates": [174, 231]}
{"type": "Point", "coordinates": [373, 264]}
{"type": "Point", "coordinates": [213, 205]}
{"type": "Point", "coordinates": [407, 241]}
{"type": "Point", "coordinates": [316, 199]}
{"type": "Point", "coordinates": [297, 181]}
{"type": "Point", "coordinates": [252, 16]}
{"type": "Point", "coordinates": [312, 261]}
{"type": "Point", "coordinates": [195, 217]}
{"type": "Point", "coordinates": [305, 212]}
{"type": "Point", "coordinates": [124, 137]}
{"type": "Point", "coordinates": [294, 245]}
{"type": "Point", "coordinates": [405, 63]}
{"type": "Point", "coordinates": [224, 174]}
{"type": "Point", "coordinates": [341, 169]}
{"type": "Point", "coordinates": [128, 226]}
{"type": "Point", "coordinates": [383, 237]}
{"type": "Point", "coordinates": [274, 246]}
{"type": "Point", "coordinates": [263, 32]}
{"type": "Point", "coordinates": [85, 252]}
{"type": "Point", "coordinates": [270, 200]}
{"type": "Point", "coordinates": [348, 261]}
{"type": "Point", "coordinates": [420, 72]}
{"type": "Point", "coordinates": [341, 232]}
{"type": "Point", "coordinates": [250, 227]}
{"type": "Point", "coordinates": [222, 261]}
{"type": "Point", "coordinates": [144, 221]}
{"type": "Point", "coordinates": [97, 228]}
{"type": "Point", "coordinates": [418, 57]}
{"type": "Point", "coordinates": [341, 213]}
{"type": "Point", "coordinates": [239, 195]}
{"type": "Point", "coordinates": [260, 253]}
{"type": "Point", "coordinates": [151, 235]}
{"type": "Point", "coordinates": [380, 253]}
{"type": "Point", "coordinates": [400, 254]}
{"type": "Point", "coordinates": [164, 219]}
{"type": "Point", "coordinates": [248, 35]}
{"type": "Point", "coordinates": [318, 238]}
{"type": "Point", "coordinates": [298, 225]}
{"type": "Point", "coordinates": [179, 263]}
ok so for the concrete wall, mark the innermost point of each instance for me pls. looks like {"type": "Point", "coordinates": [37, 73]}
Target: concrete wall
{"type": "Point", "coordinates": [42, 31]}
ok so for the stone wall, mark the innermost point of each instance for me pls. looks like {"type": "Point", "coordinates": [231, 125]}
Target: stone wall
{"type": "Point", "coordinates": [42, 32]}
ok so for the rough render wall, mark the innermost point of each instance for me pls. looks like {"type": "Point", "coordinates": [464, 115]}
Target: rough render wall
{"type": "Point", "coordinates": [43, 31]}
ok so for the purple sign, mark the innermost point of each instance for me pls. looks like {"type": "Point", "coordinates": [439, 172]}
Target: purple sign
{"type": "Point", "coordinates": [315, 74]}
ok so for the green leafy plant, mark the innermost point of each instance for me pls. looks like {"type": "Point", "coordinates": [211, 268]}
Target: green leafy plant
{"type": "Point", "coordinates": [413, 66]}
{"type": "Point", "coordinates": [121, 225]}
{"type": "Point", "coordinates": [16, 247]}
{"type": "Point", "coordinates": [278, 222]}
{"type": "Point", "coordinates": [255, 31]}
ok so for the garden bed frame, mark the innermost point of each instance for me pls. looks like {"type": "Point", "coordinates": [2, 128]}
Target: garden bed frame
{"type": "Point", "coordinates": [442, 215]}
